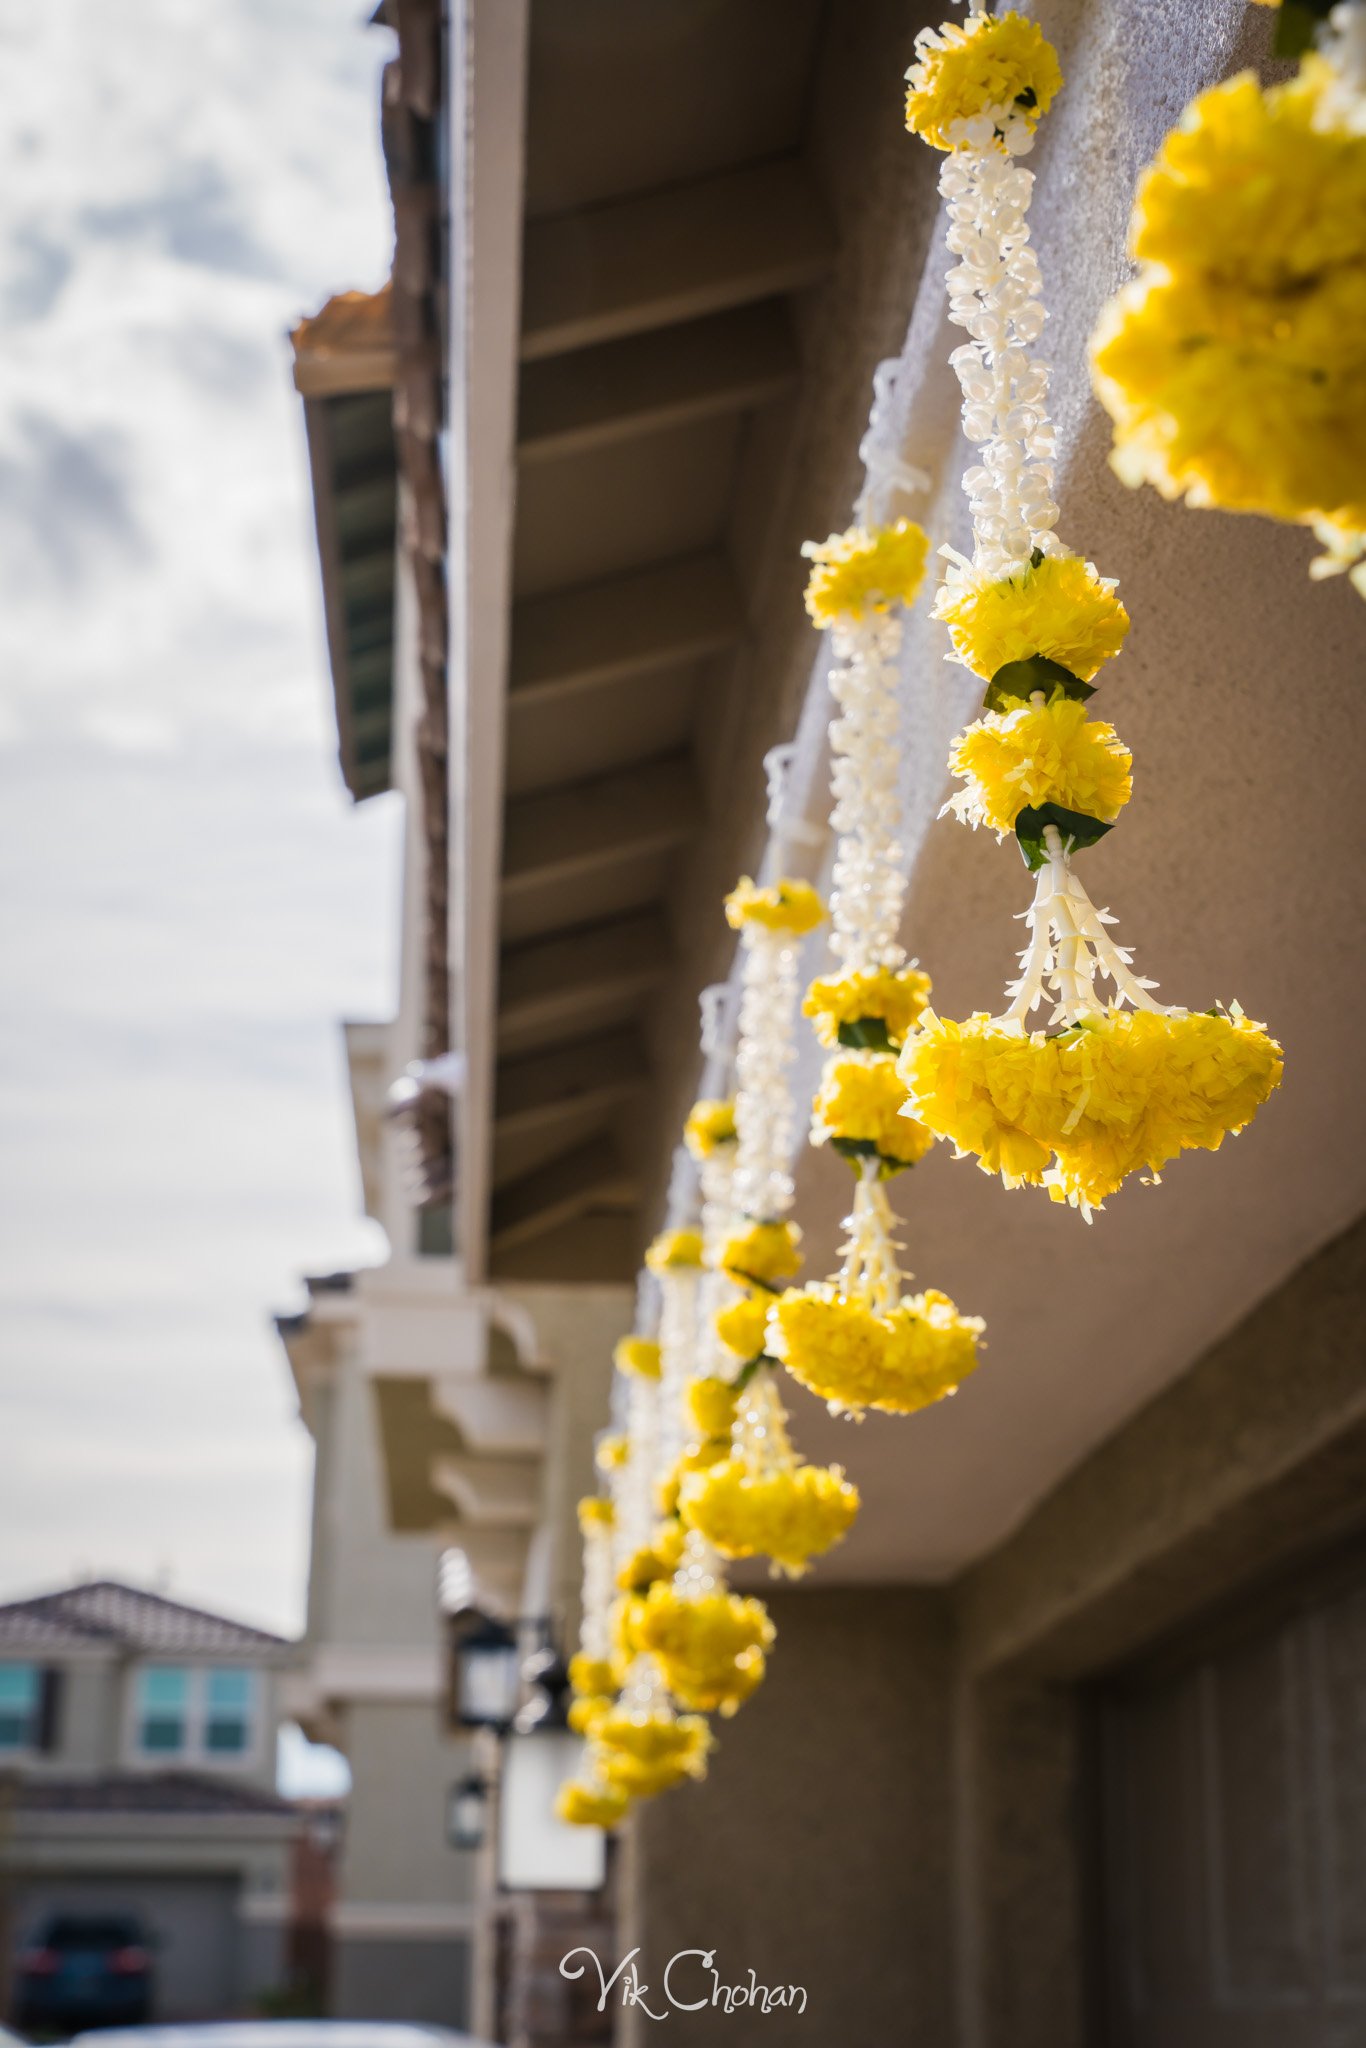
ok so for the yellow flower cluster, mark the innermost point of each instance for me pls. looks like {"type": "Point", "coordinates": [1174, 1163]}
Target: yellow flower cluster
{"type": "Point", "coordinates": [860, 1104]}
{"type": "Point", "coordinates": [613, 1453]}
{"type": "Point", "coordinates": [591, 1806]}
{"type": "Point", "coordinates": [672, 1249]}
{"type": "Point", "coordinates": [893, 997]}
{"type": "Point", "coordinates": [1234, 366]}
{"type": "Point", "coordinates": [639, 1754]}
{"type": "Point", "coordinates": [711, 1402]}
{"type": "Point", "coordinates": [1057, 606]}
{"type": "Point", "coordinates": [791, 1514]}
{"type": "Point", "coordinates": [788, 906]}
{"type": "Point", "coordinates": [762, 1254]}
{"type": "Point", "coordinates": [740, 1326]}
{"type": "Point", "coordinates": [638, 1355]}
{"type": "Point", "coordinates": [710, 1649]}
{"type": "Point", "coordinates": [595, 1513]}
{"type": "Point", "coordinates": [864, 570]}
{"type": "Point", "coordinates": [591, 1677]}
{"type": "Point", "coordinates": [710, 1125]}
{"type": "Point", "coordinates": [1123, 1092]}
{"type": "Point", "coordinates": [993, 61]}
{"type": "Point", "coordinates": [584, 1714]}
{"type": "Point", "coordinates": [658, 1559]}
{"type": "Point", "coordinates": [854, 1359]}
{"type": "Point", "coordinates": [1039, 754]}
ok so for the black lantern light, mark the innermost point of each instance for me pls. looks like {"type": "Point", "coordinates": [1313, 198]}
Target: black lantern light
{"type": "Point", "coordinates": [467, 1813]}
{"type": "Point", "coordinates": [487, 1675]}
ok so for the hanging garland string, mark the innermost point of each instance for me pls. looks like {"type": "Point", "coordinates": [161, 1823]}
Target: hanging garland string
{"type": "Point", "coordinates": [1095, 1090]}
{"type": "Point", "coordinates": [1234, 365]}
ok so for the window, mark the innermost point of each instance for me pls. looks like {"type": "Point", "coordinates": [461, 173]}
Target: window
{"type": "Point", "coordinates": [228, 1715]}
{"type": "Point", "coordinates": [163, 1703]}
{"type": "Point", "coordinates": [195, 1714]}
{"type": "Point", "coordinates": [21, 1695]}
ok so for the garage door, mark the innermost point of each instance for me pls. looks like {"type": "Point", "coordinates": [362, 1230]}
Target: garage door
{"type": "Point", "coordinates": [1233, 1868]}
{"type": "Point", "coordinates": [192, 1922]}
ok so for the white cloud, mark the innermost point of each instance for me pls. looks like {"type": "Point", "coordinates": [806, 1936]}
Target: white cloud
{"type": "Point", "coordinates": [190, 901]}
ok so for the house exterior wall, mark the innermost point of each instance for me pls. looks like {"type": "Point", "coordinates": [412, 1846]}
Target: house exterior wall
{"type": "Point", "coordinates": [899, 1819]}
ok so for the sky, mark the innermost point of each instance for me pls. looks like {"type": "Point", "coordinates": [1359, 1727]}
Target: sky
{"type": "Point", "coordinates": [188, 900]}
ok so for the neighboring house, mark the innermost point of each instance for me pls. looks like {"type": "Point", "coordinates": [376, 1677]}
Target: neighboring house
{"type": "Point", "coordinates": [137, 1773]}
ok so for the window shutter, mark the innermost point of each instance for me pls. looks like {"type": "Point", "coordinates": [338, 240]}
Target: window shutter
{"type": "Point", "coordinates": [49, 1708]}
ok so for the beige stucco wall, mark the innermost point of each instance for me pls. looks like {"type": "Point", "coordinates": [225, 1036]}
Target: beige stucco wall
{"type": "Point", "coordinates": [817, 1853]}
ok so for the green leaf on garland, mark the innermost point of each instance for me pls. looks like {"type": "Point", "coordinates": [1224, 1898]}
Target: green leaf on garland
{"type": "Point", "coordinates": [866, 1034]}
{"type": "Point", "coordinates": [1296, 24]}
{"type": "Point", "coordinates": [1016, 682]}
{"type": "Point", "coordinates": [1075, 827]}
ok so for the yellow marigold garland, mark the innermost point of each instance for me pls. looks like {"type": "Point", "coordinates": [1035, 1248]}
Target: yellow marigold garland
{"type": "Point", "coordinates": [1039, 753]}
{"type": "Point", "coordinates": [864, 570]}
{"type": "Point", "coordinates": [789, 1515]}
{"type": "Point", "coordinates": [788, 906]}
{"type": "Point", "coordinates": [1054, 605]}
{"type": "Point", "coordinates": [710, 1125]}
{"type": "Point", "coordinates": [709, 1648]}
{"type": "Point", "coordinates": [912, 1354]}
{"type": "Point", "coordinates": [711, 1402]}
{"type": "Point", "coordinates": [842, 1006]}
{"type": "Point", "coordinates": [1123, 1092]}
{"type": "Point", "coordinates": [1234, 366]}
{"type": "Point", "coordinates": [591, 1806]}
{"type": "Point", "coordinates": [740, 1327]}
{"type": "Point", "coordinates": [762, 1254]}
{"type": "Point", "coordinates": [990, 63]}
{"type": "Point", "coordinates": [859, 1109]}
{"type": "Point", "coordinates": [639, 1355]}
{"type": "Point", "coordinates": [674, 1248]}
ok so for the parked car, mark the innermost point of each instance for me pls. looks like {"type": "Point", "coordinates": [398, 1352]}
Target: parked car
{"type": "Point", "coordinates": [84, 1969]}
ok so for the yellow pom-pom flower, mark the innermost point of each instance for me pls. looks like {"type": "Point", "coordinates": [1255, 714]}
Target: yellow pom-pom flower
{"type": "Point", "coordinates": [645, 1752]}
{"type": "Point", "coordinates": [858, 1109]}
{"type": "Point", "coordinates": [762, 1255]}
{"type": "Point", "coordinates": [638, 1355]}
{"type": "Point", "coordinates": [1123, 1092]}
{"type": "Point", "coordinates": [892, 997]}
{"type": "Point", "coordinates": [854, 1359]}
{"type": "Point", "coordinates": [590, 1677]}
{"type": "Point", "coordinates": [1233, 367]}
{"type": "Point", "coordinates": [591, 1806]}
{"type": "Point", "coordinates": [791, 1514]}
{"type": "Point", "coordinates": [710, 1127]}
{"type": "Point", "coordinates": [788, 906]}
{"type": "Point", "coordinates": [740, 1326]}
{"type": "Point", "coordinates": [658, 1559]}
{"type": "Point", "coordinates": [711, 1402]}
{"type": "Point", "coordinates": [673, 1249]}
{"type": "Point", "coordinates": [991, 63]}
{"type": "Point", "coordinates": [613, 1453]}
{"type": "Point", "coordinates": [864, 570]}
{"type": "Point", "coordinates": [1054, 605]}
{"type": "Point", "coordinates": [595, 1513]}
{"type": "Point", "coordinates": [710, 1649]}
{"type": "Point", "coordinates": [585, 1713]}
{"type": "Point", "coordinates": [1039, 754]}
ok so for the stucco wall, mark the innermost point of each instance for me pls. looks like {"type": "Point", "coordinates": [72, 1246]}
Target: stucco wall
{"type": "Point", "coordinates": [817, 1853]}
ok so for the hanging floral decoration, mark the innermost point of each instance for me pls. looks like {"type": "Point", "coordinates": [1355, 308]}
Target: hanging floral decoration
{"type": "Point", "coordinates": [856, 1341]}
{"type": "Point", "coordinates": [1234, 365]}
{"type": "Point", "coordinates": [1098, 1089]}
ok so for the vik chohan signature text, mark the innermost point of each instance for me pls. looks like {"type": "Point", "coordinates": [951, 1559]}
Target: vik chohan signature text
{"type": "Point", "coordinates": [690, 1983]}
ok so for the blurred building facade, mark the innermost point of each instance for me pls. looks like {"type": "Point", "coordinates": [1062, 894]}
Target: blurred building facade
{"type": "Point", "coordinates": [1057, 1748]}
{"type": "Point", "coordinates": [137, 1776]}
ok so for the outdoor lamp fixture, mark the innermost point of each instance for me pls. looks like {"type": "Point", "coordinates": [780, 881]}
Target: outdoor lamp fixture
{"type": "Point", "coordinates": [488, 1673]}
{"type": "Point", "coordinates": [467, 1813]}
{"type": "Point", "coordinates": [536, 1850]}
